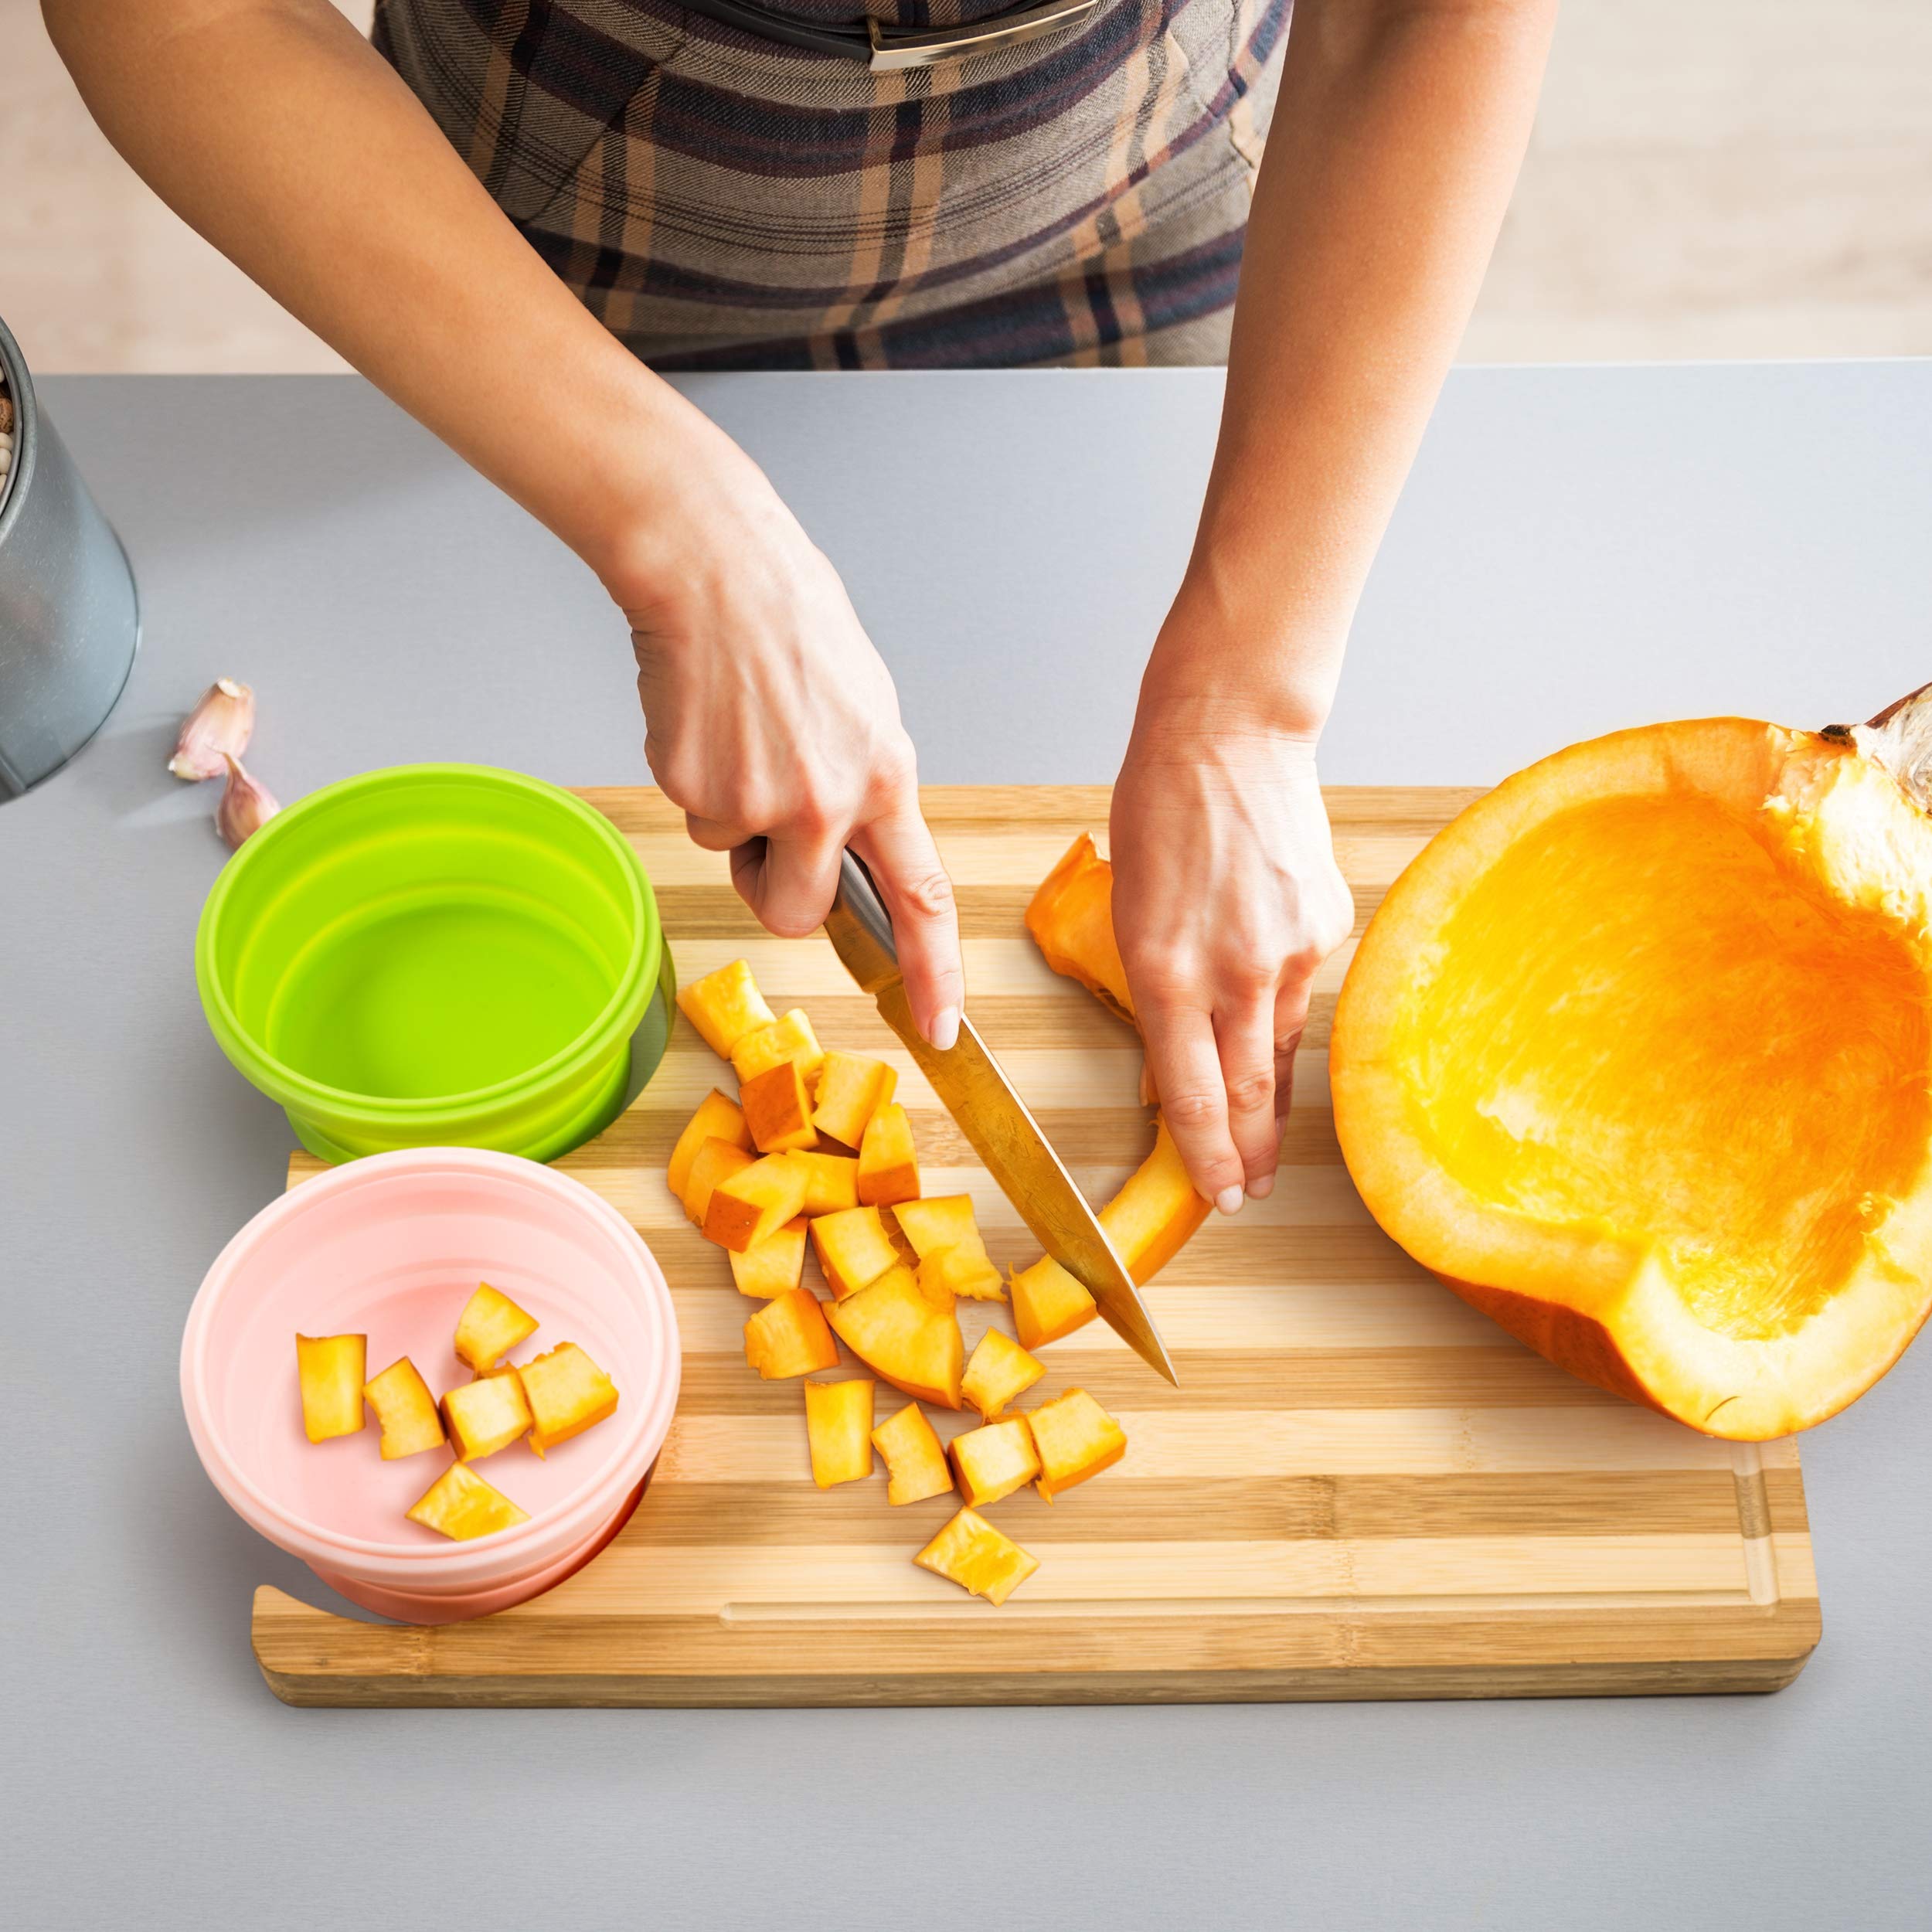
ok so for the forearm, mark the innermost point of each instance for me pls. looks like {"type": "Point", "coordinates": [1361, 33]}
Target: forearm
{"type": "Point", "coordinates": [1395, 145]}
{"type": "Point", "coordinates": [275, 130]}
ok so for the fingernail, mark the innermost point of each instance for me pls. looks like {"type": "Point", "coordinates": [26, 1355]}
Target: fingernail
{"type": "Point", "coordinates": [944, 1031]}
{"type": "Point", "coordinates": [1259, 1190]}
{"type": "Point", "coordinates": [1228, 1200]}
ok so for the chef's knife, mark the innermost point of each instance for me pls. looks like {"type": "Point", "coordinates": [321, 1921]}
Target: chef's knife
{"type": "Point", "coordinates": [995, 1119]}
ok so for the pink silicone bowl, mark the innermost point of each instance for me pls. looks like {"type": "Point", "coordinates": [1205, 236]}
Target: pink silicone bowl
{"type": "Point", "coordinates": [393, 1246]}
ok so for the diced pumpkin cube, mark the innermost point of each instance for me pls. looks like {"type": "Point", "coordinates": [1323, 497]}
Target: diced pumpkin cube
{"type": "Point", "coordinates": [941, 1221]}
{"type": "Point", "coordinates": [995, 1460]}
{"type": "Point", "coordinates": [725, 1006]}
{"type": "Point", "coordinates": [915, 1464]}
{"type": "Point", "coordinates": [772, 1266]}
{"type": "Point", "coordinates": [789, 1038]}
{"type": "Point", "coordinates": [1048, 1303]}
{"type": "Point", "coordinates": [962, 1270]}
{"type": "Point", "coordinates": [999, 1370]}
{"type": "Point", "coordinates": [461, 1505]}
{"type": "Point", "coordinates": [1150, 1220]}
{"type": "Point", "coordinates": [331, 1369]}
{"type": "Point", "coordinates": [719, 1117]}
{"type": "Point", "coordinates": [888, 1167]}
{"type": "Point", "coordinates": [716, 1160]}
{"type": "Point", "coordinates": [568, 1394]}
{"type": "Point", "coordinates": [838, 1428]}
{"type": "Point", "coordinates": [788, 1337]}
{"type": "Point", "coordinates": [831, 1182]}
{"type": "Point", "coordinates": [892, 1328]}
{"type": "Point", "coordinates": [778, 1110]}
{"type": "Point", "coordinates": [970, 1552]}
{"type": "Point", "coordinates": [1077, 1438]}
{"type": "Point", "coordinates": [486, 1415]}
{"type": "Point", "coordinates": [490, 1326]}
{"type": "Point", "coordinates": [853, 1248]}
{"type": "Point", "coordinates": [850, 1090]}
{"type": "Point", "coordinates": [753, 1204]}
{"type": "Point", "coordinates": [405, 1410]}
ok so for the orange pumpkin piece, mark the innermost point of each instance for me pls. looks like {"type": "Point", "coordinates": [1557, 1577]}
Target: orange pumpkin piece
{"type": "Point", "coordinates": [971, 1552]}
{"type": "Point", "coordinates": [490, 1326]}
{"type": "Point", "coordinates": [405, 1410]}
{"type": "Point", "coordinates": [753, 1204]}
{"type": "Point", "coordinates": [773, 1265]}
{"type": "Point", "coordinates": [850, 1090]}
{"type": "Point", "coordinates": [788, 1337]}
{"type": "Point", "coordinates": [898, 1334]}
{"type": "Point", "coordinates": [1154, 1215]}
{"type": "Point", "coordinates": [486, 1415]}
{"type": "Point", "coordinates": [1076, 1439]}
{"type": "Point", "coordinates": [778, 1110]}
{"type": "Point", "coordinates": [962, 1270]}
{"type": "Point", "coordinates": [888, 1166]}
{"type": "Point", "coordinates": [1049, 1303]}
{"type": "Point", "coordinates": [330, 1370]}
{"type": "Point", "coordinates": [567, 1392]}
{"type": "Point", "coordinates": [1634, 1056]}
{"type": "Point", "coordinates": [460, 1505]}
{"type": "Point", "coordinates": [725, 1006]}
{"type": "Point", "coordinates": [853, 1248]}
{"type": "Point", "coordinates": [1071, 918]}
{"type": "Point", "coordinates": [999, 1369]}
{"type": "Point", "coordinates": [719, 1117]}
{"type": "Point", "coordinates": [995, 1460]}
{"type": "Point", "coordinates": [714, 1161]}
{"type": "Point", "coordinates": [789, 1038]}
{"type": "Point", "coordinates": [838, 1430]}
{"type": "Point", "coordinates": [915, 1464]}
{"type": "Point", "coordinates": [831, 1182]}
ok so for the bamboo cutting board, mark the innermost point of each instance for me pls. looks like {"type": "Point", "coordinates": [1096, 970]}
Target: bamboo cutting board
{"type": "Point", "coordinates": [1361, 1489]}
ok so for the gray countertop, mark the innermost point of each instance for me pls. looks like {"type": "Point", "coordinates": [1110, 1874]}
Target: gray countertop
{"type": "Point", "coordinates": [1578, 549]}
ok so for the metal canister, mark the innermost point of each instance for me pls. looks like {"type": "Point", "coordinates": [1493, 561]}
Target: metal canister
{"type": "Point", "coordinates": [70, 617]}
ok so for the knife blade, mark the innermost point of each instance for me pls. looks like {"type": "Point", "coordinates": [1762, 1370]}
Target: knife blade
{"type": "Point", "coordinates": [990, 1112]}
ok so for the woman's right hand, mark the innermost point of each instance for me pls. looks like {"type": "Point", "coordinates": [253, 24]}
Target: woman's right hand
{"type": "Point", "coordinates": [770, 719]}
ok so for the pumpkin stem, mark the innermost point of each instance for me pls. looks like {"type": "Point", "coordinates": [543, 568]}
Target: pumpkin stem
{"type": "Point", "coordinates": [1899, 737]}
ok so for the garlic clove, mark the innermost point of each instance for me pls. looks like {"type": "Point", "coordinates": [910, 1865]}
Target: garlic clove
{"type": "Point", "coordinates": [218, 727]}
{"type": "Point", "coordinates": [247, 805]}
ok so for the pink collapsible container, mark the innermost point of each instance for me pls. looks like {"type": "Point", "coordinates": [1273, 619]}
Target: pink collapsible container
{"type": "Point", "coordinates": [392, 1246]}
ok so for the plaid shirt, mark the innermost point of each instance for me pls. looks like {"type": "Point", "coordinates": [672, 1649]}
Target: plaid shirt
{"type": "Point", "coordinates": [725, 202]}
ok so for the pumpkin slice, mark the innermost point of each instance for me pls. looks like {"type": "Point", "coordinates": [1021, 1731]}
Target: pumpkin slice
{"type": "Point", "coordinates": [1071, 918]}
{"type": "Point", "coordinates": [888, 1165]}
{"type": "Point", "coordinates": [1636, 1057]}
{"type": "Point", "coordinates": [838, 1430]}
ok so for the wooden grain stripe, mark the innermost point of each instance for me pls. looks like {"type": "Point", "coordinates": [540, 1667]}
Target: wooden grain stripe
{"type": "Point", "coordinates": [676, 1579]}
{"type": "Point", "coordinates": [1250, 1443]}
{"type": "Point", "coordinates": [1163, 1509]}
{"type": "Point", "coordinates": [1395, 1378]}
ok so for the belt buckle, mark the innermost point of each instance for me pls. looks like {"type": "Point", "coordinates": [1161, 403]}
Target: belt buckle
{"type": "Point", "coordinates": [894, 49]}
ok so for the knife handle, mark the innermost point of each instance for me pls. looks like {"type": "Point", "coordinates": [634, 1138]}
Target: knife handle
{"type": "Point", "coordinates": [859, 926]}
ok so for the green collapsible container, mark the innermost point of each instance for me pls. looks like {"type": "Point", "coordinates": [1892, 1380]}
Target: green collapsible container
{"type": "Point", "coordinates": [434, 955]}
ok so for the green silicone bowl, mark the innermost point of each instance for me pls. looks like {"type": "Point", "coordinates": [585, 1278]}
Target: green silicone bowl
{"type": "Point", "coordinates": [434, 956]}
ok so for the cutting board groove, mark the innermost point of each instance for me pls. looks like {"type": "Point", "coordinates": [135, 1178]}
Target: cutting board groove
{"type": "Point", "coordinates": [1361, 1488]}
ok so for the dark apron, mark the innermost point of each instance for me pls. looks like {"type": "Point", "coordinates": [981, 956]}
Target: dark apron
{"type": "Point", "coordinates": [723, 199]}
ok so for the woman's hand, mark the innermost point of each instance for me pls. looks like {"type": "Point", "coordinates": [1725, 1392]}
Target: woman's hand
{"type": "Point", "coordinates": [1227, 898]}
{"type": "Point", "coordinates": [772, 721]}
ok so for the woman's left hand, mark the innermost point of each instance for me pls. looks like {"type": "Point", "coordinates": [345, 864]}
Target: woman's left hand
{"type": "Point", "coordinates": [1227, 898]}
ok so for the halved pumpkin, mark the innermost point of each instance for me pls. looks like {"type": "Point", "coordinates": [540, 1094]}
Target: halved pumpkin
{"type": "Point", "coordinates": [1636, 1057]}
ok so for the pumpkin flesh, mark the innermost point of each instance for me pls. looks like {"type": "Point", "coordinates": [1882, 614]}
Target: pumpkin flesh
{"type": "Point", "coordinates": [1638, 1057]}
